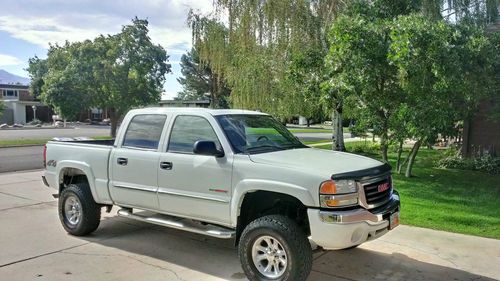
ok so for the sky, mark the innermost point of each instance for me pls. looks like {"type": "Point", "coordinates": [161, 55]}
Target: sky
{"type": "Point", "coordinates": [27, 27]}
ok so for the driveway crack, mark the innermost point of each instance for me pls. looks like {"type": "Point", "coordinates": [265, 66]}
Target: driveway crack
{"type": "Point", "coordinates": [129, 257]}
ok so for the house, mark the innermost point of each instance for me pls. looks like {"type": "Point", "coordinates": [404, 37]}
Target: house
{"type": "Point", "coordinates": [482, 133]}
{"type": "Point", "coordinates": [21, 107]}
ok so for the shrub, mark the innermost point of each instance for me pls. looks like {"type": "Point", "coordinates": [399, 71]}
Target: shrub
{"type": "Point", "coordinates": [364, 147]}
{"type": "Point", "coordinates": [35, 122]}
{"type": "Point", "coordinates": [485, 163]}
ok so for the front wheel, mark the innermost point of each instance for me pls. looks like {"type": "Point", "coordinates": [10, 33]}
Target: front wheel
{"type": "Point", "coordinates": [275, 248]}
{"type": "Point", "coordinates": [78, 212]}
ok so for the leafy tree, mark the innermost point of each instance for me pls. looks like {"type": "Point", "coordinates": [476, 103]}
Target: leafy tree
{"type": "Point", "coordinates": [128, 70]}
{"type": "Point", "coordinates": [438, 66]}
{"type": "Point", "coordinates": [57, 79]}
{"type": "Point", "coordinates": [305, 99]}
{"type": "Point", "coordinates": [359, 72]}
{"type": "Point", "coordinates": [262, 47]}
{"type": "Point", "coordinates": [2, 107]}
{"type": "Point", "coordinates": [37, 68]}
{"type": "Point", "coordinates": [116, 72]}
{"type": "Point", "coordinates": [199, 81]}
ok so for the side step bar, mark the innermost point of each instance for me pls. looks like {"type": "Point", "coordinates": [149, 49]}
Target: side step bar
{"type": "Point", "coordinates": [180, 223]}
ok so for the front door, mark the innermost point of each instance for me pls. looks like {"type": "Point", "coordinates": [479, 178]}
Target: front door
{"type": "Point", "coordinates": [195, 186]}
{"type": "Point", "coordinates": [134, 163]}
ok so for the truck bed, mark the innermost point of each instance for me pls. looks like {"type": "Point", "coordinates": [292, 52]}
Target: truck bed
{"type": "Point", "coordinates": [89, 156]}
{"type": "Point", "coordinates": [109, 142]}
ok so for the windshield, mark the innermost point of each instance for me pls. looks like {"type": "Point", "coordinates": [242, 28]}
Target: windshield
{"type": "Point", "coordinates": [257, 134]}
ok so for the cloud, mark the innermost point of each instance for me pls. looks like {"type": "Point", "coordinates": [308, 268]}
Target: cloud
{"type": "Point", "coordinates": [55, 21]}
{"type": "Point", "coordinates": [9, 60]}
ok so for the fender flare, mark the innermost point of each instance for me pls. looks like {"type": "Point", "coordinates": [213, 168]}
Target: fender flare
{"type": "Point", "coordinates": [251, 185]}
{"type": "Point", "coordinates": [82, 166]}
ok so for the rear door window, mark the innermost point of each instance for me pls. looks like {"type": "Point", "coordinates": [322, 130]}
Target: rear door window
{"type": "Point", "coordinates": [144, 131]}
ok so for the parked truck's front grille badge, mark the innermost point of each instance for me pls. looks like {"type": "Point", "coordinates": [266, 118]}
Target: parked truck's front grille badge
{"type": "Point", "coordinates": [379, 192]}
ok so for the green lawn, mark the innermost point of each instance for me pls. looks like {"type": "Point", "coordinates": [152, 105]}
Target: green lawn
{"type": "Point", "coordinates": [446, 199]}
{"type": "Point", "coordinates": [309, 130]}
{"type": "Point", "coordinates": [7, 143]}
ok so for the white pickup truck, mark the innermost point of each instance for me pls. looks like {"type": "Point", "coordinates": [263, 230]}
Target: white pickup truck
{"type": "Point", "coordinates": [228, 174]}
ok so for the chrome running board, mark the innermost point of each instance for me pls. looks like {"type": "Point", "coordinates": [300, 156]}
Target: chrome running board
{"type": "Point", "coordinates": [181, 223]}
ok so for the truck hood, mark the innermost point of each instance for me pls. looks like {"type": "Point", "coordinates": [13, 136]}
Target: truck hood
{"type": "Point", "coordinates": [320, 161]}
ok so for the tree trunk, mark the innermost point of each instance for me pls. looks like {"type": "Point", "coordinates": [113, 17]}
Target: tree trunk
{"type": "Point", "coordinates": [383, 150]}
{"type": "Point", "coordinates": [404, 163]}
{"type": "Point", "coordinates": [411, 158]}
{"type": "Point", "coordinates": [400, 151]}
{"type": "Point", "coordinates": [308, 122]}
{"type": "Point", "coordinates": [384, 146]}
{"type": "Point", "coordinates": [384, 134]}
{"type": "Point", "coordinates": [113, 117]}
{"type": "Point", "coordinates": [338, 130]}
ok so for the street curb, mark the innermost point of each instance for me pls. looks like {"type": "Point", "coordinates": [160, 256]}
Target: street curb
{"type": "Point", "coordinates": [21, 145]}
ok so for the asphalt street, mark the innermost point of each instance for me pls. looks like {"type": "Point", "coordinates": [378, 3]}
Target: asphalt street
{"type": "Point", "coordinates": [34, 246]}
{"type": "Point", "coordinates": [21, 158]}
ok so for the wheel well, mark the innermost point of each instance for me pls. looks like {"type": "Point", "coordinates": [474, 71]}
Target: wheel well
{"type": "Point", "coordinates": [262, 203]}
{"type": "Point", "coordinates": [69, 176]}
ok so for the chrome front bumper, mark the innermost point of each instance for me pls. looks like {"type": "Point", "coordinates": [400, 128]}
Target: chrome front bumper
{"type": "Point", "coordinates": [343, 229]}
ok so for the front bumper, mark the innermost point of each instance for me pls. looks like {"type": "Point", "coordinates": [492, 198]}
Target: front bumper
{"type": "Point", "coordinates": [343, 229]}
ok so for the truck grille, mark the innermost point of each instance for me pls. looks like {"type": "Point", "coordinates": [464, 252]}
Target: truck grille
{"type": "Point", "coordinates": [378, 192]}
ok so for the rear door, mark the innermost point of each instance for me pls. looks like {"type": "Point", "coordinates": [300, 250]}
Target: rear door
{"type": "Point", "coordinates": [134, 163]}
{"type": "Point", "coordinates": [191, 185]}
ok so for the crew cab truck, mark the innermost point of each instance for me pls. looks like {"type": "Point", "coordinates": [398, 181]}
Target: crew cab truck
{"type": "Point", "coordinates": [230, 174]}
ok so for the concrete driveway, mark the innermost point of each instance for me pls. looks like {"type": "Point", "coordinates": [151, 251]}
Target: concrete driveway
{"type": "Point", "coordinates": [33, 245]}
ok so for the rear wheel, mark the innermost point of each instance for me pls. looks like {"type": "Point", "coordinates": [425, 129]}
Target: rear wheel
{"type": "Point", "coordinates": [78, 212]}
{"type": "Point", "coordinates": [275, 248]}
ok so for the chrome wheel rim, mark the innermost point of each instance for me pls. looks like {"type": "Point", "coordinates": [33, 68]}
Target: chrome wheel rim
{"type": "Point", "coordinates": [269, 257]}
{"type": "Point", "coordinates": [72, 210]}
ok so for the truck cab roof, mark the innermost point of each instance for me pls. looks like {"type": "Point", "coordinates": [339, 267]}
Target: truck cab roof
{"type": "Point", "coordinates": [194, 110]}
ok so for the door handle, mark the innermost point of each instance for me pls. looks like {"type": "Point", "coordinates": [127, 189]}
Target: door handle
{"type": "Point", "coordinates": [122, 161]}
{"type": "Point", "coordinates": [166, 165]}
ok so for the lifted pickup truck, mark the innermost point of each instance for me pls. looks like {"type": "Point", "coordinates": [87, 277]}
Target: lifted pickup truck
{"type": "Point", "coordinates": [227, 174]}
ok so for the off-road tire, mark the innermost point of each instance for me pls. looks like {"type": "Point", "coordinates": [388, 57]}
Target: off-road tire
{"type": "Point", "coordinates": [290, 235]}
{"type": "Point", "coordinates": [90, 210]}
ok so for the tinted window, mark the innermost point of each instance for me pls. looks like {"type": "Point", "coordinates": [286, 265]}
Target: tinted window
{"type": "Point", "coordinates": [144, 131]}
{"type": "Point", "coordinates": [189, 129]}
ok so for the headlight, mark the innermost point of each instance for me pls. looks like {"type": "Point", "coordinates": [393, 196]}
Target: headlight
{"type": "Point", "coordinates": [338, 187]}
{"type": "Point", "coordinates": [338, 193]}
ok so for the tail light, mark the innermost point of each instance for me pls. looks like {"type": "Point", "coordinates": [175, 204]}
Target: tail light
{"type": "Point", "coordinates": [45, 156]}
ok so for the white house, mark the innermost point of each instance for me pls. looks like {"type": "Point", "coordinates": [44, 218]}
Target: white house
{"type": "Point", "coordinates": [20, 106]}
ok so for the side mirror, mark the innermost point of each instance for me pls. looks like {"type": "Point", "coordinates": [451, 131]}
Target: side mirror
{"type": "Point", "coordinates": [207, 148]}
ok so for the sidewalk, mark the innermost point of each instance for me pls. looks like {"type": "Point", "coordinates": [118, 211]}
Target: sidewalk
{"type": "Point", "coordinates": [35, 246]}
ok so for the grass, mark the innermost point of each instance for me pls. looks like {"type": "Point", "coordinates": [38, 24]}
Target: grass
{"type": "Point", "coordinates": [459, 201]}
{"type": "Point", "coordinates": [309, 130]}
{"type": "Point", "coordinates": [26, 142]}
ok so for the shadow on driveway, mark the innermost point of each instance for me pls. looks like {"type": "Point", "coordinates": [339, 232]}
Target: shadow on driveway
{"type": "Point", "coordinates": [155, 245]}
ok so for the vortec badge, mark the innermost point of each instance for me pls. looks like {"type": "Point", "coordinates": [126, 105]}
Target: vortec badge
{"type": "Point", "coordinates": [383, 187]}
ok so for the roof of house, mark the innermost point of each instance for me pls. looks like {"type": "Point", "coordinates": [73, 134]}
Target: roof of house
{"type": "Point", "coordinates": [14, 86]}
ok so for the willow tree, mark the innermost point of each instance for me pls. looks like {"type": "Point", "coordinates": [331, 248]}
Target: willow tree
{"type": "Point", "coordinates": [259, 45]}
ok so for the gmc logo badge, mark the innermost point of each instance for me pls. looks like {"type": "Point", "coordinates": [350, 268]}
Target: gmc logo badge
{"type": "Point", "coordinates": [383, 187]}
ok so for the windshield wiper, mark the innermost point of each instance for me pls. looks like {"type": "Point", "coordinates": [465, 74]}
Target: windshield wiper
{"type": "Point", "coordinates": [293, 145]}
{"type": "Point", "coordinates": [262, 147]}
